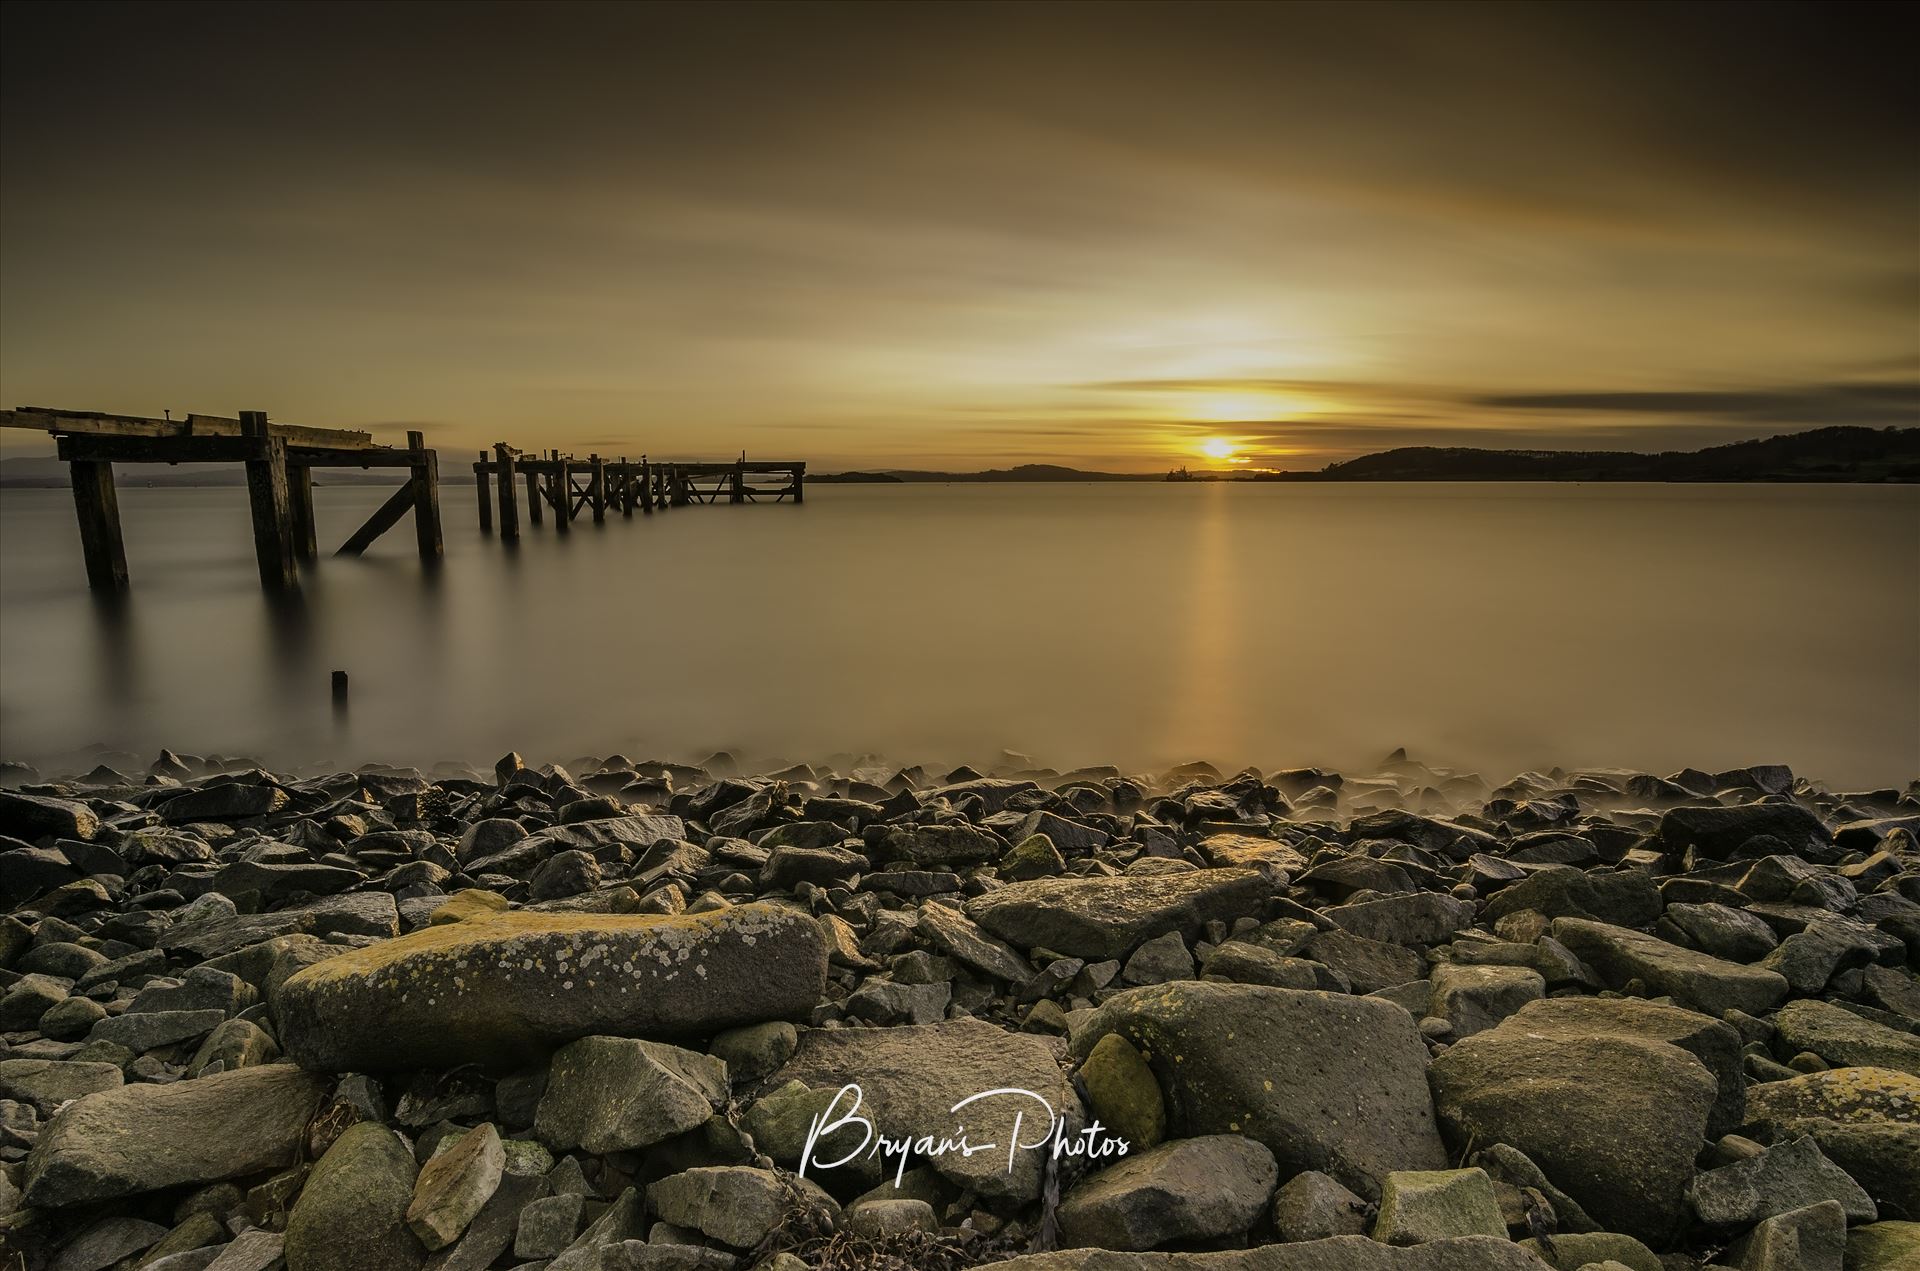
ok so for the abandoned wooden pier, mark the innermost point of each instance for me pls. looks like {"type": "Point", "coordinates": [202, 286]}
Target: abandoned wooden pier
{"type": "Point", "coordinates": [568, 486]}
{"type": "Point", "coordinates": [280, 459]}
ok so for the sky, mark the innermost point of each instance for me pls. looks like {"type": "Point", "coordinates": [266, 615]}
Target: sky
{"type": "Point", "coordinates": [1125, 237]}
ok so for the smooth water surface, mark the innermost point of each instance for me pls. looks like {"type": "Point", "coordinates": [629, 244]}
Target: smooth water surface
{"type": "Point", "coordinates": [1499, 627]}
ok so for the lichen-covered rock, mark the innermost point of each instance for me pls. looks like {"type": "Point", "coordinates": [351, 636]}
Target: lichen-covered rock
{"type": "Point", "coordinates": [1336, 1253]}
{"type": "Point", "coordinates": [1326, 1081]}
{"type": "Point", "coordinates": [351, 1215]}
{"type": "Point", "coordinates": [616, 1094]}
{"type": "Point", "coordinates": [1190, 1189]}
{"type": "Point", "coordinates": [1122, 1092]}
{"type": "Point", "coordinates": [495, 990]}
{"type": "Point", "coordinates": [1421, 1205]}
{"type": "Point", "coordinates": [1691, 978]}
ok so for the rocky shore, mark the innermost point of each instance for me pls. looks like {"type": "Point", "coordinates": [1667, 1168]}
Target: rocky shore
{"type": "Point", "coordinates": [646, 1017]}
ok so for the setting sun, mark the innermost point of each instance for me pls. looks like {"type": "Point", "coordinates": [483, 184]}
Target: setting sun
{"type": "Point", "coordinates": [1217, 448]}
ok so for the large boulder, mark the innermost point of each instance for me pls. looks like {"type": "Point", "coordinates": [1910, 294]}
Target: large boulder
{"type": "Point", "coordinates": [1844, 1039]}
{"type": "Point", "coordinates": [617, 1094]}
{"type": "Point", "coordinates": [1098, 918]}
{"type": "Point", "coordinates": [1615, 1119]}
{"type": "Point", "coordinates": [1689, 977]}
{"type": "Point", "coordinates": [1720, 833]}
{"type": "Point", "coordinates": [1327, 1081]}
{"type": "Point", "coordinates": [140, 1138]}
{"type": "Point", "coordinates": [351, 1216]}
{"type": "Point", "coordinates": [909, 1080]}
{"type": "Point", "coordinates": [501, 989]}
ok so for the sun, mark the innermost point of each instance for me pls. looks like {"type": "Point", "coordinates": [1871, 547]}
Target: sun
{"type": "Point", "coordinates": [1217, 448]}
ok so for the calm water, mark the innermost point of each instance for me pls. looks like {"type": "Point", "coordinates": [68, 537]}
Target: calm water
{"type": "Point", "coordinates": [1496, 627]}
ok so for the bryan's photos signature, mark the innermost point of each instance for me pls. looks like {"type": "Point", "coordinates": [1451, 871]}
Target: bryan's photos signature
{"type": "Point", "coordinates": [1029, 1109]}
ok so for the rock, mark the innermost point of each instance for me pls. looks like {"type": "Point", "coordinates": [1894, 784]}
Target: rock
{"type": "Point", "coordinates": [238, 1043]}
{"type": "Point", "coordinates": [882, 1218]}
{"type": "Point", "coordinates": [140, 1138]}
{"type": "Point", "coordinates": [955, 843]}
{"type": "Point", "coordinates": [1810, 1239]}
{"type": "Point", "coordinates": [616, 1094]}
{"type": "Point", "coordinates": [1096, 918]}
{"type": "Point", "coordinates": [1339, 1084]}
{"type": "Point", "coordinates": [251, 1250]}
{"type": "Point", "coordinates": [756, 1050]}
{"type": "Point", "coordinates": [1784, 1177]}
{"type": "Point", "coordinates": [1313, 1206]}
{"type": "Point", "coordinates": [1034, 856]}
{"type": "Point", "coordinates": [1242, 963]}
{"type": "Point", "coordinates": [144, 1030]}
{"type": "Point", "coordinates": [1851, 1095]}
{"type": "Point", "coordinates": [1337, 1253]}
{"type": "Point", "coordinates": [1882, 1156]}
{"type": "Point", "coordinates": [548, 1225]}
{"type": "Point", "coordinates": [1574, 1250]}
{"type": "Point", "coordinates": [1418, 918]}
{"type": "Point", "coordinates": [909, 1080]}
{"type": "Point", "coordinates": [1418, 1206]}
{"type": "Point", "coordinates": [564, 874]}
{"type": "Point", "coordinates": [492, 1230]}
{"type": "Point", "coordinates": [469, 902]}
{"type": "Point", "coordinates": [954, 934]}
{"type": "Point", "coordinates": [510, 987]}
{"type": "Point", "coordinates": [454, 1186]}
{"type": "Point", "coordinates": [1883, 1246]}
{"type": "Point", "coordinates": [1720, 833]}
{"type": "Point", "coordinates": [734, 1204]}
{"type": "Point", "coordinates": [105, 1243]}
{"type": "Point", "coordinates": [1714, 1043]}
{"type": "Point", "coordinates": [48, 1083]}
{"type": "Point", "coordinates": [1366, 965]}
{"type": "Point", "coordinates": [351, 1216]}
{"type": "Point", "coordinates": [1614, 1120]}
{"type": "Point", "coordinates": [1190, 1189]}
{"type": "Point", "coordinates": [1691, 978]}
{"type": "Point", "coordinates": [1160, 959]}
{"type": "Point", "coordinates": [226, 801]}
{"type": "Point", "coordinates": [1846, 1040]}
{"type": "Point", "coordinates": [1473, 999]}
{"type": "Point", "coordinates": [885, 1002]}
{"type": "Point", "coordinates": [1722, 931]}
{"type": "Point", "coordinates": [1122, 1092]}
{"type": "Point", "coordinates": [32, 816]}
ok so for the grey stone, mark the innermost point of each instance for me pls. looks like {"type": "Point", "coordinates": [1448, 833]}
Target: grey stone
{"type": "Point", "coordinates": [1313, 1206]}
{"type": "Point", "coordinates": [1421, 1205]}
{"type": "Point", "coordinates": [351, 1215]}
{"type": "Point", "coordinates": [454, 1186]}
{"type": "Point", "coordinates": [1096, 918]}
{"type": "Point", "coordinates": [734, 1204]}
{"type": "Point", "coordinates": [1690, 977]}
{"type": "Point", "coordinates": [1810, 1239]}
{"type": "Point", "coordinates": [1190, 1189]}
{"type": "Point", "coordinates": [1785, 1177]}
{"type": "Point", "coordinates": [613, 1094]}
{"type": "Point", "coordinates": [1475, 998]}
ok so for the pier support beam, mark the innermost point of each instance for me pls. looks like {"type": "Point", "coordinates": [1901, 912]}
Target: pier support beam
{"type": "Point", "coordinates": [800, 485]}
{"type": "Point", "coordinates": [300, 502]}
{"type": "Point", "coordinates": [739, 494]}
{"type": "Point", "coordinates": [425, 485]}
{"type": "Point", "coordinates": [562, 496]}
{"type": "Point", "coordinates": [535, 513]}
{"type": "Point", "coordinates": [646, 486]}
{"type": "Point", "coordinates": [597, 488]}
{"type": "Point", "coordinates": [267, 493]}
{"type": "Point", "coordinates": [98, 505]}
{"type": "Point", "coordinates": [486, 496]}
{"type": "Point", "coordinates": [509, 494]}
{"type": "Point", "coordinates": [623, 488]}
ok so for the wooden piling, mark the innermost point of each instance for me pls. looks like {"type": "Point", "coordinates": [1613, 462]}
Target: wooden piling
{"type": "Point", "coordinates": [267, 493]}
{"type": "Point", "coordinates": [739, 494]}
{"type": "Point", "coordinates": [623, 488]}
{"type": "Point", "coordinates": [300, 503]}
{"type": "Point", "coordinates": [486, 495]}
{"type": "Point", "coordinates": [597, 487]}
{"type": "Point", "coordinates": [425, 486]}
{"type": "Point", "coordinates": [646, 486]}
{"type": "Point", "coordinates": [339, 683]}
{"type": "Point", "coordinates": [562, 495]}
{"type": "Point", "coordinates": [509, 494]}
{"type": "Point", "coordinates": [97, 504]}
{"type": "Point", "coordinates": [800, 483]}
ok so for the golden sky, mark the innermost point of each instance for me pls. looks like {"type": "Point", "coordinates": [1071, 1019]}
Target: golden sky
{"type": "Point", "coordinates": [1121, 237]}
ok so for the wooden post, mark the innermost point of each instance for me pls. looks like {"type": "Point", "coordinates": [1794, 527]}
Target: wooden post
{"type": "Point", "coordinates": [98, 507]}
{"type": "Point", "coordinates": [646, 486]}
{"type": "Point", "coordinates": [800, 483]}
{"type": "Point", "coordinates": [509, 495]}
{"type": "Point", "coordinates": [624, 483]}
{"type": "Point", "coordinates": [425, 484]}
{"type": "Point", "coordinates": [739, 481]}
{"type": "Point", "coordinates": [486, 500]}
{"type": "Point", "coordinates": [597, 488]}
{"type": "Point", "coordinates": [534, 499]}
{"type": "Point", "coordinates": [339, 682]}
{"type": "Point", "coordinates": [562, 495]}
{"type": "Point", "coordinates": [267, 492]}
{"type": "Point", "coordinates": [300, 500]}
{"type": "Point", "coordinates": [682, 495]}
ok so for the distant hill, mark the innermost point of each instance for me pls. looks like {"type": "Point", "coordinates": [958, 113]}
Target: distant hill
{"type": "Point", "coordinates": [1824, 454]}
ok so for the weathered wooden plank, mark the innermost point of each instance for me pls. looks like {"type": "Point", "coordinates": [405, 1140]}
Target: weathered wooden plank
{"type": "Point", "coordinates": [384, 518]}
{"type": "Point", "coordinates": [268, 497]}
{"type": "Point", "coordinates": [101, 424]}
{"type": "Point", "coordinates": [87, 448]}
{"type": "Point", "coordinates": [97, 505]}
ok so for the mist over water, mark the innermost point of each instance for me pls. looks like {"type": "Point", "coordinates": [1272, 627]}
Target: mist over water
{"type": "Point", "coordinates": [1496, 628]}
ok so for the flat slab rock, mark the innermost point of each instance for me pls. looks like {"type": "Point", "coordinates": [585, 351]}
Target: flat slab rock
{"type": "Point", "coordinates": [1098, 918]}
{"type": "Point", "coordinates": [1335, 1253]}
{"type": "Point", "coordinates": [505, 987]}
